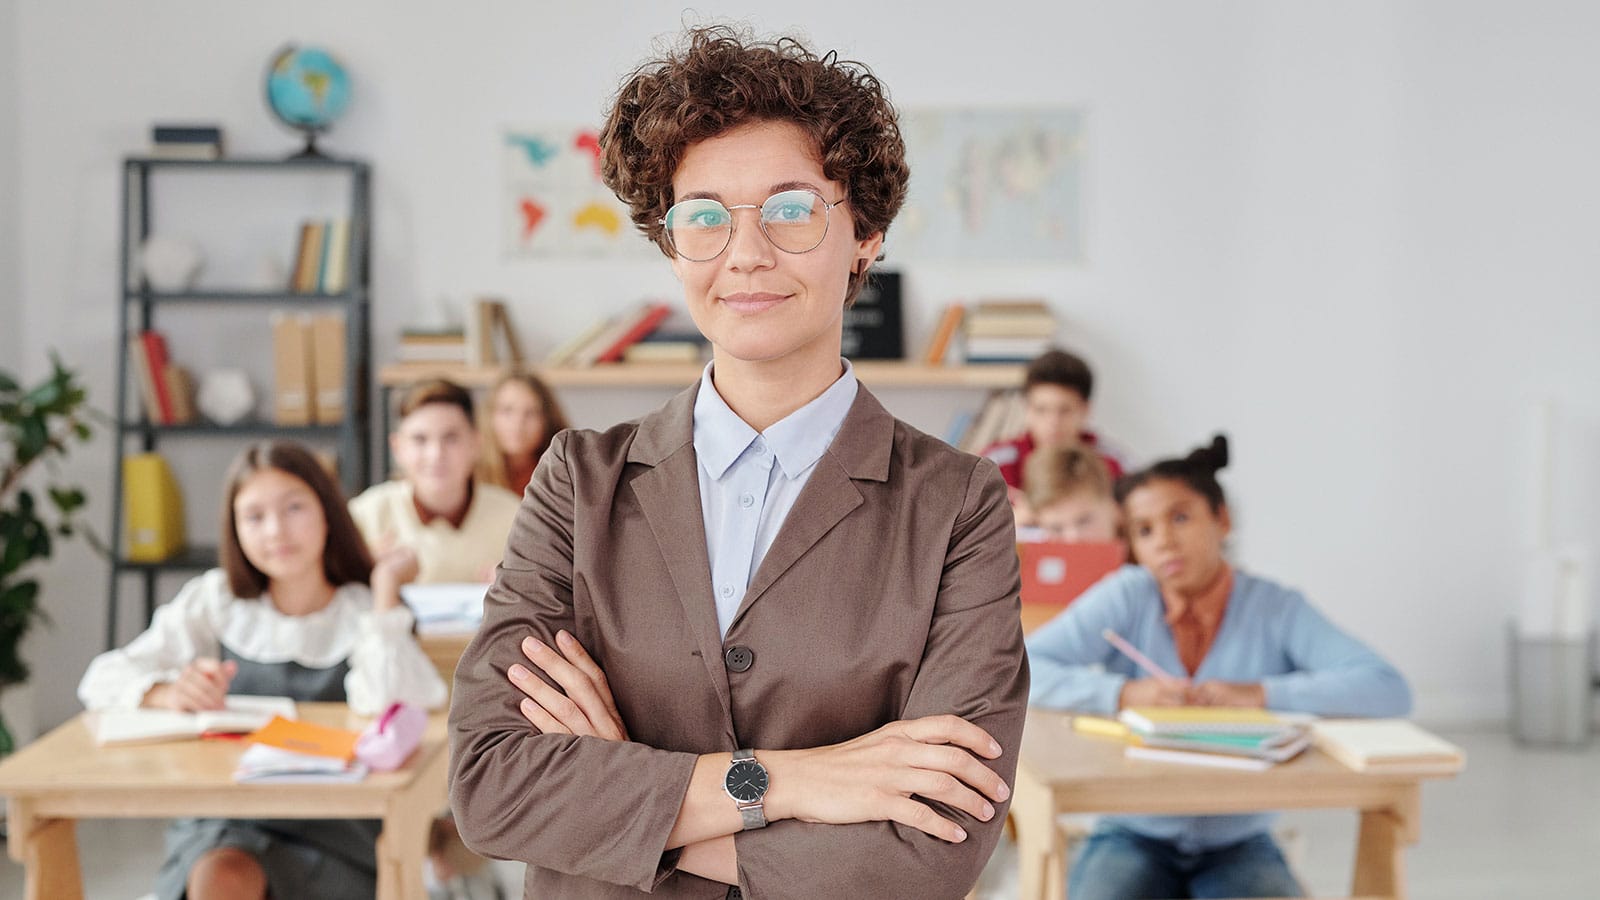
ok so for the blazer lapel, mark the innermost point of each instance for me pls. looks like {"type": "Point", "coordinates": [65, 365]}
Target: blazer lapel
{"type": "Point", "coordinates": [861, 450]}
{"type": "Point", "coordinates": [669, 496]}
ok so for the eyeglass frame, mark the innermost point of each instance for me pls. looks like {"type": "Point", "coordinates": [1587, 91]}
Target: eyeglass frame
{"type": "Point", "coordinates": [827, 222]}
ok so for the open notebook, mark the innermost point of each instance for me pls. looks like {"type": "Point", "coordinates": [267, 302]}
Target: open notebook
{"type": "Point", "coordinates": [242, 715]}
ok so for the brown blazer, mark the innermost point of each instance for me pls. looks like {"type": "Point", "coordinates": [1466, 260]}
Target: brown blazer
{"type": "Point", "coordinates": [890, 592]}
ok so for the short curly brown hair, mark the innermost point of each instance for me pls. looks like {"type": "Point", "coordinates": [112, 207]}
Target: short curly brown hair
{"type": "Point", "coordinates": [722, 78]}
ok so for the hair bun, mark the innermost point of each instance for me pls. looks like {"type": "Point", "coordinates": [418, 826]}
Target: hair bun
{"type": "Point", "coordinates": [1213, 458]}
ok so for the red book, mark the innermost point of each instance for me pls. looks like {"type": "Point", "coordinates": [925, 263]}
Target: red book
{"type": "Point", "coordinates": [155, 354]}
{"type": "Point", "coordinates": [648, 320]}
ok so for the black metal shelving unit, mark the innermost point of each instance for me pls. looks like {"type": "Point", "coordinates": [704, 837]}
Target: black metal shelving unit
{"type": "Point", "coordinates": [136, 311]}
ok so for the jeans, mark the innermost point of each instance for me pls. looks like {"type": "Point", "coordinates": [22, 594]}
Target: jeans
{"type": "Point", "coordinates": [1117, 864]}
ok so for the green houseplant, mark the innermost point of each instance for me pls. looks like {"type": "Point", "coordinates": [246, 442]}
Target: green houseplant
{"type": "Point", "coordinates": [37, 426]}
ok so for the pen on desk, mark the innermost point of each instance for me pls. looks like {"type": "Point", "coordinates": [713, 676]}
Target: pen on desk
{"type": "Point", "coordinates": [1139, 659]}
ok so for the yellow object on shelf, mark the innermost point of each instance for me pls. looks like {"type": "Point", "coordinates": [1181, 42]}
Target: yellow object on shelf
{"type": "Point", "coordinates": [154, 508]}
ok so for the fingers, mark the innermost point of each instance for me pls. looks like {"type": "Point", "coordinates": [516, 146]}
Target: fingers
{"type": "Point", "coordinates": [558, 707]}
{"type": "Point", "coordinates": [579, 686]}
{"type": "Point", "coordinates": [959, 765]}
{"type": "Point", "coordinates": [921, 816]}
{"type": "Point", "coordinates": [952, 730]}
{"type": "Point", "coordinates": [581, 659]}
{"type": "Point", "coordinates": [540, 719]}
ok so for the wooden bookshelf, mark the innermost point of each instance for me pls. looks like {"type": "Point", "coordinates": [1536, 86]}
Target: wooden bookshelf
{"type": "Point", "coordinates": [873, 373]}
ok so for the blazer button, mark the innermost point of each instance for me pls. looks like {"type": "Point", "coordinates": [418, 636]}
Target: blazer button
{"type": "Point", "coordinates": [739, 659]}
{"type": "Point", "coordinates": [735, 894]}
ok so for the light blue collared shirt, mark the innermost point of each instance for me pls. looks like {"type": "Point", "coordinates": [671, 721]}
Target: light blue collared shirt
{"type": "Point", "coordinates": [743, 495]}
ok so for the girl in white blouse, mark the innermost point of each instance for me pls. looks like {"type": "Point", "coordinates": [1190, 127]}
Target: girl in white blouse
{"type": "Point", "coordinates": [289, 613]}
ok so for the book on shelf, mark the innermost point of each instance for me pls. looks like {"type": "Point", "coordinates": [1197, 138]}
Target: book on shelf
{"type": "Point", "coordinates": [152, 509]}
{"type": "Point", "coordinates": [872, 325]}
{"type": "Point", "coordinates": [292, 398]}
{"type": "Point", "coordinates": [648, 352]}
{"type": "Point", "coordinates": [180, 390]}
{"type": "Point", "coordinates": [444, 345]}
{"type": "Point", "coordinates": [334, 277]}
{"type": "Point", "coordinates": [943, 334]}
{"type": "Point", "coordinates": [147, 385]}
{"type": "Point", "coordinates": [326, 382]}
{"type": "Point", "coordinates": [1386, 745]}
{"type": "Point", "coordinates": [174, 141]}
{"type": "Point", "coordinates": [241, 714]}
{"type": "Point", "coordinates": [982, 350]}
{"type": "Point", "coordinates": [491, 338]}
{"type": "Point", "coordinates": [156, 358]}
{"type": "Point", "coordinates": [645, 320]}
{"type": "Point", "coordinates": [564, 354]}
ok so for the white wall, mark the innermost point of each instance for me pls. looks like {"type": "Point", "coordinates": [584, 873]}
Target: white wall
{"type": "Point", "coordinates": [9, 218]}
{"type": "Point", "coordinates": [1357, 236]}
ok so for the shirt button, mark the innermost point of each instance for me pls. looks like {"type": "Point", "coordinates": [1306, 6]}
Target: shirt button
{"type": "Point", "coordinates": [761, 448]}
{"type": "Point", "coordinates": [727, 590]}
{"type": "Point", "coordinates": [747, 500]}
{"type": "Point", "coordinates": [738, 659]}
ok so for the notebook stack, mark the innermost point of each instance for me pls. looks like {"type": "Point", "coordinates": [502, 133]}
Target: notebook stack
{"type": "Point", "coordinates": [1253, 739]}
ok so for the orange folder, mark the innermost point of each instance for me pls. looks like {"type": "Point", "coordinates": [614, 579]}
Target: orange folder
{"type": "Point", "coordinates": [304, 737]}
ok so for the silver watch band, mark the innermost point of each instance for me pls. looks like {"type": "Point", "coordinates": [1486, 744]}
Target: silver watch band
{"type": "Point", "coordinates": [753, 814]}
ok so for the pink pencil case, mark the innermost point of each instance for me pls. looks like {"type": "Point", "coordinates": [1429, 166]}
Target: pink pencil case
{"type": "Point", "coordinates": [386, 744]}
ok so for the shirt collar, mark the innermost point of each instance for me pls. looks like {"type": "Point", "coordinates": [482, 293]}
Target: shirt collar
{"type": "Point", "coordinates": [797, 441]}
{"type": "Point", "coordinates": [427, 516]}
{"type": "Point", "coordinates": [1207, 607]}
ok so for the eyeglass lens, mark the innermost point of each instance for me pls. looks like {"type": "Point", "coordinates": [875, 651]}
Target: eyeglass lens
{"type": "Point", "coordinates": [700, 229]}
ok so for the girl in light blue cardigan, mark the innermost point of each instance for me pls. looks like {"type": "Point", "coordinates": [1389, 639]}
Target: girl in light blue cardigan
{"type": "Point", "coordinates": [1239, 639]}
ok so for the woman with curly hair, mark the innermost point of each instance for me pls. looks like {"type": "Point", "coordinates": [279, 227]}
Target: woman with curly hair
{"type": "Point", "coordinates": [765, 640]}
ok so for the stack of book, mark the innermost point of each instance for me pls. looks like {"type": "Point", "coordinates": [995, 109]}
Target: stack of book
{"type": "Point", "coordinates": [286, 750]}
{"type": "Point", "coordinates": [674, 341]}
{"type": "Point", "coordinates": [186, 141]}
{"type": "Point", "coordinates": [1214, 736]}
{"type": "Point", "coordinates": [608, 340]}
{"type": "Point", "coordinates": [444, 346]}
{"type": "Point", "coordinates": [1008, 331]}
{"type": "Point", "coordinates": [321, 257]}
{"type": "Point", "coordinates": [241, 714]}
{"type": "Point", "coordinates": [166, 389]}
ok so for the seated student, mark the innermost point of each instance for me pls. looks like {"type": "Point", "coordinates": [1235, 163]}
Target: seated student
{"type": "Point", "coordinates": [289, 614]}
{"type": "Point", "coordinates": [1239, 640]}
{"type": "Point", "coordinates": [1055, 394]}
{"type": "Point", "coordinates": [438, 522]}
{"type": "Point", "coordinates": [519, 419]}
{"type": "Point", "coordinates": [1069, 497]}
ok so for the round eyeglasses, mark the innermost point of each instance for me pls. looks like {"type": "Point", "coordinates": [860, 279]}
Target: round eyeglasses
{"type": "Point", "coordinates": [794, 221]}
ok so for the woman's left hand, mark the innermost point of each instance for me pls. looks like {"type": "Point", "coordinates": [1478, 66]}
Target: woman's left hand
{"type": "Point", "coordinates": [583, 705]}
{"type": "Point", "coordinates": [1228, 693]}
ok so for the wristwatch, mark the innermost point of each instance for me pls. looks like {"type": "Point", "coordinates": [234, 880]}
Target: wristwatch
{"type": "Point", "coordinates": [746, 782]}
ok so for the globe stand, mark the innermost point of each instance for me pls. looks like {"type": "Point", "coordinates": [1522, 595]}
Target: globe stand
{"type": "Point", "coordinates": [310, 151]}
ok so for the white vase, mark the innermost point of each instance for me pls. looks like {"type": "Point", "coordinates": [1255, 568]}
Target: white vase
{"type": "Point", "coordinates": [226, 396]}
{"type": "Point", "coordinates": [170, 264]}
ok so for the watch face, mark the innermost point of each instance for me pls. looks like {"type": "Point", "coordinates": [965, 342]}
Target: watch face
{"type": "Point", "coordinates": [746, 781]}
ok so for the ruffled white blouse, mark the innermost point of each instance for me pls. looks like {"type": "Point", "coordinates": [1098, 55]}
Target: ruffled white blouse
{"type": "Point", "coordinates": [386, 665]}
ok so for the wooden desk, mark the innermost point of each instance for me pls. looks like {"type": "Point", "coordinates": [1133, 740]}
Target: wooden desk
{"type": "Point", "coordinates": [444, 651]}
{"type": "Point", "coordinates": [1062, 771]}
{"type": "Point", "coordinates": [63, 776]}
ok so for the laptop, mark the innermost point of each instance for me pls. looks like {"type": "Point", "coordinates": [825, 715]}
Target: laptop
{"type": "Point", "coordinates": [1055, 573]}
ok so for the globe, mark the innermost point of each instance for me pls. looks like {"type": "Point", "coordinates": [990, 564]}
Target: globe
{"type": "Point", "coordinates": [307, 89]}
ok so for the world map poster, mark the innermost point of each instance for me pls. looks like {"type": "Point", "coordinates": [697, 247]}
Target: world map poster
{"type": "Point", "coordinates": [992, 185]}
{"type": "Point", "coordinates": [555, 203]}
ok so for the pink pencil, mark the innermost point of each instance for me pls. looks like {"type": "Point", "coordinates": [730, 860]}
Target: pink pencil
{"type": "Point", "coordinates": [1139, 659]}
